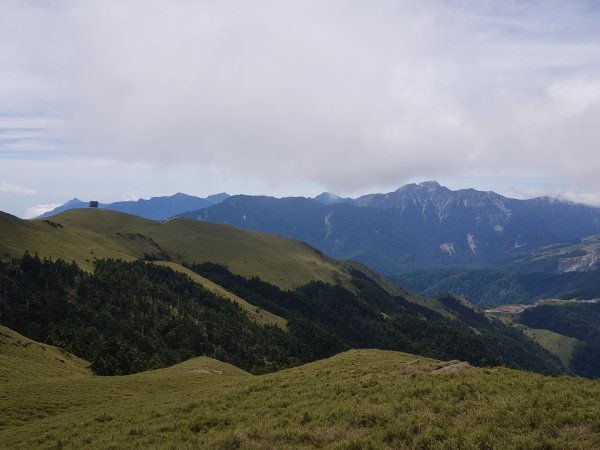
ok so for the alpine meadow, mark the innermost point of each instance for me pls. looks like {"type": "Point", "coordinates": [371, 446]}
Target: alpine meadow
{"type": "Point", "coordinates": [299, 225]}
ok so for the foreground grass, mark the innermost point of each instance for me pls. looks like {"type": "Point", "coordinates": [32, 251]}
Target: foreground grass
{"type": "Point", "coordinates": [358, 399]}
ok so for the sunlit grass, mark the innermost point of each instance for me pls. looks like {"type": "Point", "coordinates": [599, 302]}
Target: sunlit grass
{"type": "Point", "coordinates": [562, 346]}
{"type": "Point", "coordinates": [84, 235]}
{"type": "Point", "coordinates": [358, 399]}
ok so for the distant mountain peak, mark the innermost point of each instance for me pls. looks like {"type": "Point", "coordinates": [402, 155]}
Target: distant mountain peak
{"type": "Point", "coordinates": [328, 198]}
{"type": "Point", "coordinates": [218, 198]}
{"type": "Point", "coordinates": [431, 184]}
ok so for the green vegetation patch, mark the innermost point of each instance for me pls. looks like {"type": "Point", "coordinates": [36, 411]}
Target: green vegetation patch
{"type": "Point", "coordinates": [357, 399]}
{"type": "Point", "coordinates": [133, 316]}
{"type": "Point", "coordinates": [577, 320]}
{"type": "Point", "coordinates": [258, 315]}
{"type": "Point", "coordinates": [562, 346]}
{"type": "Point", "coordinates": [23, 360]}
{"type": "Point", "coordinates": [85, 235]}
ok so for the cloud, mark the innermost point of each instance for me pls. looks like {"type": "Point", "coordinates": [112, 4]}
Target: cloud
{"type": "Point", "coordinates": [342, 94]}
{"type": "Point", "coordinates": [578, 197]}
{"type": "Point", "coordinates": [14, 189]}
{"type": "Point", "coordinates": [38, 210]}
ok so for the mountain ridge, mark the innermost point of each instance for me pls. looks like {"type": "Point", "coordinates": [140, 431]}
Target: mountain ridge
{"type": "Point", "coordinates": [154, 208]}
{"type": "Point", "coordinates": [418, 226]}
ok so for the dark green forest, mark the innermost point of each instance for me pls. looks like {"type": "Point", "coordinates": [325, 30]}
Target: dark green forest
{"type": "Point", "coordinates": [132, 316]}
{"type": "Point", "coordinates": [577, 320]}
{"type": "Point", "coordinates": [493, 287]}
{"type": "Point", "coordinates": [372, 318]}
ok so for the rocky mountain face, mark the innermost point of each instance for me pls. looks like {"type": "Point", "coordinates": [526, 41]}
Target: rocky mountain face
{"type": "Point", "coordinates": [418, 226]}
{"type": "Point", "coordinates": [155, 208]}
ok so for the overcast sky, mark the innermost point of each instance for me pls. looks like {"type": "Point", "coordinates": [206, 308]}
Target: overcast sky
{"type": "Point", "coordinates": [111, 99]}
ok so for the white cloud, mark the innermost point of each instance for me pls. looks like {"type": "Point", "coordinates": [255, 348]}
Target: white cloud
{"type": "Point", "coordinates": [130, 197]}
{"type": "Point", "coordinates": [580, 197]}
{"type": "Point", "coordinates": [14, 189]}
{"type": "Point", "coordinates": [345, 95]}
{"type": "Point", "coordinates": [38, 210]}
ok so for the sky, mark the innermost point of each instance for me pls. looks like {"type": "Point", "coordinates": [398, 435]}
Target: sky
{"type": "Point", "coordinates": [110, 100]}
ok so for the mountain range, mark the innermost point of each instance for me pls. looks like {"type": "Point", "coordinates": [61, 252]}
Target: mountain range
{"type": "Point", "coordinates": [155, 208]}
{"type": "Point", "coordinates": [481, 245]}
{"type": "Point", "coordinates": [419, 226]}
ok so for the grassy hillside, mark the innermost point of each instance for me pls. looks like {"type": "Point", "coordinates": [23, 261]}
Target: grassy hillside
{"type": "Point", "coordinates": [561, 346]}
{"type": "Point", "coordinates": [23, 360]}
{"type": "Point", "coordinates": [568, 329]}
{"type": "Point", "coordinates": [125, 319]}
{"type": "Point", "coordinates": [578, 320]}
{"type": "Point", "coordinates": [84, 235]}
{"type": "Point", "coordinates": [128, 317]}
{"type": "Point", "coordinates": [357, 399]}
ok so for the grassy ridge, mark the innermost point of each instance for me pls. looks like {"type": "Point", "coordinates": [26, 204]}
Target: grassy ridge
{"type": "Point", "coordinates": [357, 399]}
{"type": "Point", "coordinates": [84, 235]}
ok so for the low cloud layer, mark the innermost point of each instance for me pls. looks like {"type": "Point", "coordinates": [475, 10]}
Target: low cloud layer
{"type": "Point", "coordinates": [14, 189]}
{"type": "Point", "coordinates": [346, 95]}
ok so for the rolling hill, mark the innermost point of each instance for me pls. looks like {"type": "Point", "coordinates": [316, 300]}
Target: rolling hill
{"type": "Point", "coordinates": [357, 399]}
{"type": "Point", "coordinates": [84, 235]}
{"type": "Point", "coordinates": [23, 360]}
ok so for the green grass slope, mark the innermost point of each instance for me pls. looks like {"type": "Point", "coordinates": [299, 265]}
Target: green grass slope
{"type": "Point", "coordinates": [86, 234]}
{"type": "Point", "coordinates": [561, 346]}
{"type": "Point", "coordinates": [23, 360]}
{"type": "Point", "coordinates": [357, 399]}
